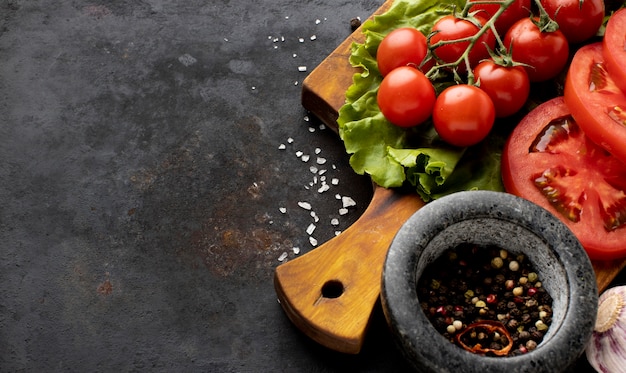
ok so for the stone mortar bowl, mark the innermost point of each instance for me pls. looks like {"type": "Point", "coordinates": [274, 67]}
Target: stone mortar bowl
{"type": "Point", "coordinates": [489, 218]}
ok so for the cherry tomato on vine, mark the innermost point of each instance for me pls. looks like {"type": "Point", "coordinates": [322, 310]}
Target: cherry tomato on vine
{"type": "Point", "coordinates": [450, 28]}
{"type": "Point", "coordinates": [508, 87]}
{"type": "Point", "coordinates": [550, 161]}
{"type": "Point", "coordinates": [401, 47]}
{"type": "Point", "coordinates": [546, 52]}
{"type": "Point", "coordinates": [463, 115]}
{"type": "Point", "coordinates": [579, 20]}
{"type": "Point", "coordinates": [595, 100]}
{"type": "Point", "coordinates": [517, 10]}
{"type": "Point", "coordinates": [406, 97]}
{"type": "Point", "coordinates": [613, 48]}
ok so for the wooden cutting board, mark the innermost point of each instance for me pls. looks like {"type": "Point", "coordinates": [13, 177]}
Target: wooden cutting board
{"type": "Point", "coordinates": [330, 292]}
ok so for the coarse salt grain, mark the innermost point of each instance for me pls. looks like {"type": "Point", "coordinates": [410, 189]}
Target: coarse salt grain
{"type": "Point", "coordinates": [334, 221]}
{"type": "Point", "coordinates": [290, 140]}
{"type": "Point", "coordinates": [313, 37]}
{"type": "Point", "coordinates": [305, 158]}
{"type": "Point", "coordinates": [282, 147]}
{"type": "Point", "coordinates": [347, 202]}
{"type": "Point", "coordinates": [318, 150]}
{"type": "Point", "coordinates": [301, 40]}
{"type": "Point", "coordinates": [311, 129]}
{"type": "Point", "coordinates": [337, 196]}
{"type": "Point", "coordinates": [313, 241]}
{"type": "Point", "coordinates": [306, 118]}
{"type": "Point", "coordinates": [283, 256]}
{"type": "Point", "coordinates": [305, 205]}
{"type": "Point", "coordinates": [321, 160]}
{"type": "Point", "coordinates": [282, 210]}
{"type": "Point", "coordinates": [343, 211]}
{"type": "Point", "coordinates": [337, 233]}
{"type": "Point", "coordinates": [313, 169]}
{"type": "Point", "coordinates": [334, 181]}
{"type": "Point", "coordinates": [299, 154]}
{"type": "Point", "coordinates": [301, 68]}
{"type": "Point", "coordinates": [323, 188]}
{"type": "Point", "coordinates": [310, 229]}
{"type": "Point", "coordinates": [314, 216]}
{"type": "Point", "coordinates": [296, 250]}
{"type": "Point", "coordinates": [317, 21]}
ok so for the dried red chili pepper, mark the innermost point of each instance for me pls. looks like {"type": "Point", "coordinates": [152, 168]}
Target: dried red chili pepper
{"type": "Point", "coordinates": [489, 327]}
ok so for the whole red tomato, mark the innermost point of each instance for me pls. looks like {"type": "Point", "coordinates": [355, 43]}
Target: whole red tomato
{"type": "Point", "coordinates": [463, 115]}
{"type": "Point", "coordinates": [401, 47]}
{"type": "Point", "coordinates": [579, 20]}
{"type": "Point", "coordinates": [517, 10]}
{"type": "Point", "coordinates": [450, 28]}
{"type": "Point", "coordinates": [508, 87]}
{"type": "Point", "coordinates": [406, 97]}
{"type": "Point", "coordinates": [545, 52]}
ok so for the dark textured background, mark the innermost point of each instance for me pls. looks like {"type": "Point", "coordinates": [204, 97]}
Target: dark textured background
{"type": "Point", "coordinates": [141, 181]}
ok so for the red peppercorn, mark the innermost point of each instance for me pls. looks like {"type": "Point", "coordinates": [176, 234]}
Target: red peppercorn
{"type": "Point", "coordinates": [441, 310]}
{"type": "Point", "coordinates": [531, 291]}
{"type": "Point", "coordinates": [518, 300]}
{"type": "Point", "coordinates": [491, 298]}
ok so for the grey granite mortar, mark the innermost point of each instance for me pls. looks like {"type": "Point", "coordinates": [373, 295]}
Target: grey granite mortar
{"type": "Point", "coordinates": [485, 218]}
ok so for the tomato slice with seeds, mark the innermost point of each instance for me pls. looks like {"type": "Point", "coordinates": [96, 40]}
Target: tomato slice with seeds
{"type": "Point", "coordinates": [550, 161]}
{"type": "Point", "coordinates": [614, 47]}
{"type": "Point", "coordinates": [596, 102]}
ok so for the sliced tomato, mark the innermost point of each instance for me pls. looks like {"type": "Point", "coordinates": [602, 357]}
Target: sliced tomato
{"type": "Point", "coordinates": [549, 161]}
{"type": "Point", "coordinates": [596, 102]}
{"type": "Point", "coordinates": [614, 44]}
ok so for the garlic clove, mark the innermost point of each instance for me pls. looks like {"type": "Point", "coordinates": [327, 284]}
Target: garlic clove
{"type": "Point", "coordinates": [606, 351]}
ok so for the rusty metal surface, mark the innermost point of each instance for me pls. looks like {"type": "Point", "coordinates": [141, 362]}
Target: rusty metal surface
{"type": "Point", "coordinates": [141, 182]}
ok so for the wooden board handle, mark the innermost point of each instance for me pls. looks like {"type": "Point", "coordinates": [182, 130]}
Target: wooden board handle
{"type": "Point", "coordinates": [330, 292]}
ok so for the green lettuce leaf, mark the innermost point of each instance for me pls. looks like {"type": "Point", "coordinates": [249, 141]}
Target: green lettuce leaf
{"type": "Point", "coordinates": [394, 156]}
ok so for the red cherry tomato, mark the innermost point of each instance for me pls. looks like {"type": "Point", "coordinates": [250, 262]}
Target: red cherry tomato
{"type": "Point", "coordinates": [595, 101]}
{"type": "Point", "coordinates": [449, 28]}
{"type": "Point", "coordinates": [614, 48]}
{"type": "Point", "coordinates": [406, 97]}
{"type": "Point", "coordinates": [463, 115]}
{"type": "Point", "coordinates": [508, 87]}
{"type": "Point", "coordinates": [517, 10]}
{"type": "Point", "coordinates": [546, 52]}
{"type": "Point", "coordinates": [401, 47]}
{"type": "Point", "coordinates": [579, 20]}
{"type": "Point", "coordinates": [549, 161]}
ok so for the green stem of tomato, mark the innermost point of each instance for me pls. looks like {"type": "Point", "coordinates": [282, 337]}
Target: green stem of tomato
{"type": "Point", "coordinates": [489, 25]}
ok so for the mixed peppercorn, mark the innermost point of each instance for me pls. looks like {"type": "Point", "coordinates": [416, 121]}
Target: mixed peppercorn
{"type": "Point", "coordinates": [486, 300]}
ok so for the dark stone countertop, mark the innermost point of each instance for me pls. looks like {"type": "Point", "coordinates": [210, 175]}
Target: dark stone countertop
{"type": "Point", "coordinates": [142, 181]}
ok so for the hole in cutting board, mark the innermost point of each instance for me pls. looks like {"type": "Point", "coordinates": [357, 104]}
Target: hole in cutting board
{"type": "Point", "coordinates": [332, 289]}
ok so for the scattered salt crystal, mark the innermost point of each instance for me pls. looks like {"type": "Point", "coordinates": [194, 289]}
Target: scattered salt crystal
{"type": "Point", "coordinates": [321, 160]}
{"type": "Point", "coordinates": [294, 55]}
{"type": "Point", "coordinates": [334, 221]}
{"type": "Point", "coordinates": [317, 21]}
{"type": "Point", "coordinates": [283, 256]}
{"type": "Point", "coordinates": [313, 169]}
{"type": "Point", "coordinates": [322, 172]}
{"type": "Point", "coordinates": [323, 188]}
{"type": "Point", "coordinates": [296, 250]}
{"type": "Point", "coordinates": [282, 210]}
{"type": "Point", "coordinates": [306, 118]}
{"type": "Point", "coordinates": [226, 39]}
{"type": "Point", "coordinates": [311, 129]}
{"type": "Point", "coordinates": [334, 181]}
{"type": "Point", "coordinates": [337, 233]}
{"type": "Point", "coordinates": [337, 196]}
{"type": "Point", "coordinates": [290, 140]}
{"type": "Point", "coordinates": [322, 178]}
{"type": "Point", "coordinates": [310, 229]}
{"type": "Point", "coordinates": [343, 211]}
{"type": "Point", "coordinates": [318, 150]}
{"type": "Point", "coordinates": [299, 154]}
{"type": "Point", "coordinates": [313, 37]}
{"type": "Point", "coordinates": [314, 216]}
{"type": "Point", "coordinates": [313, 241]}
{"type": "Point", "coordinates": [322, 126]}
{"type": "Point", "coordinates": [282, 38]}
{"type": "Point", "coordinates": [295, 83]}
{"type": "Point", "coordinates": [305, 158]}
{"type": "Point", "coordinates": [301, 40]}
{"type": "Point", "coordinates": [301, 68]}
{"type": "Point", "coordinates": [276, 47]}
{"type": "Point", "coordinates": [282, 147]}
{"type": "Point", "coordinates": [314, 179]}
{"type": "Point", "coordinates": [347, 202]}
{"type": "Point", "coordinates": [305, 205]}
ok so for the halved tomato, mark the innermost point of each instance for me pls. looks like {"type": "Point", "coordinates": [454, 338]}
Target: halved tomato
{"type": "Point", "coordinates": [595, 101]}
{"type": "Point", "coordinates": [614, 44]}
{"type": "Point", "coordinates": [549, 161]}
